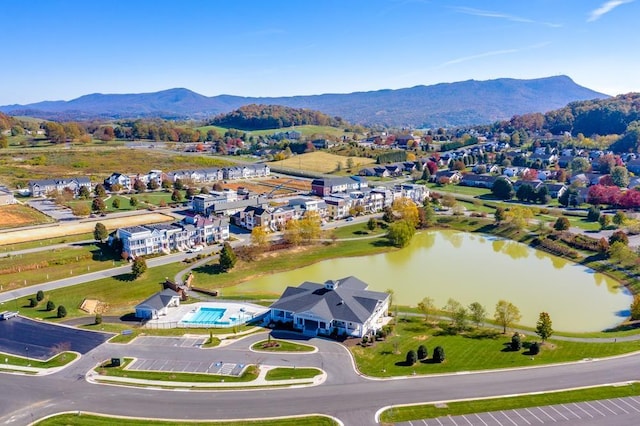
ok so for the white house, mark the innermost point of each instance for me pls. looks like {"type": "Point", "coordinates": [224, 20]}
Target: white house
{"type": "Point", "coordinates": [341, 307]}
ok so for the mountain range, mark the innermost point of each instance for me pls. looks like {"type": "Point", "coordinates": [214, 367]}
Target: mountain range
{"type": "Point", "coordinates": [441, 105]}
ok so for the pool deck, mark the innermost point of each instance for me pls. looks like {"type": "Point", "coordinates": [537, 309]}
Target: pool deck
{"type": "Point", "coordinates": [233, 309]}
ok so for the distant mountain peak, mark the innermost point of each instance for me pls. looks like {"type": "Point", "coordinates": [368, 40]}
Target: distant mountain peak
{"type": "Point", "coordinates": [440, 105]}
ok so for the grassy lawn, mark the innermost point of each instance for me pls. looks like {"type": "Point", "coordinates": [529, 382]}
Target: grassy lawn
{"type": "Point", "coordinates": [121, 293]}
{"type": "Point", "coordinates": [477, 351]}
{"type": "Point", "coordinates": [281, 346]}
{"type": "Point", "coordinates": [428, 411]}
{"type": "Point", "coordinates": [46, 242]}
{"type": "Point", "coordinates": [209, 277]}
{"type": "Point", "coordinates": [33, 268]}
{"type": "Point", "coordinates": [95, 420]}
{"type": "Point", "coordinates": [459, 189]}
{"type": "Point", "coordinates": [59, 360]}
{"type": "Point", "coordinates": [249, 375]}
{"type": "Point", "coordinates": [17, 215]}
{"type": "Point", "coordinates": [286, 373]}
{"type": "Point", "coordinates": [355, 231]}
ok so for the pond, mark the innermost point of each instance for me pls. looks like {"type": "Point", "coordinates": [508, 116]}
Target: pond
{"type": "Point", "coordinates": [474, 268]}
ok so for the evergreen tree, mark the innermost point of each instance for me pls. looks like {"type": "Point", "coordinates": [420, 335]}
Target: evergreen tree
{"type": "Point", "coordinates": [228, 257]}
{"type": "Point", "coordinates": [544, 326]}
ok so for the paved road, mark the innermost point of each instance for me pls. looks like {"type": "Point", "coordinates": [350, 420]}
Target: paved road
{"type": "Point", "coordinates": [346, 395]}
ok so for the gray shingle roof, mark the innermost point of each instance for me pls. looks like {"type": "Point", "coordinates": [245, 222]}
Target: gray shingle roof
{"type": "Point", "coordinates": [159, 300]}
{"type": "Point", "coordinates": [349, 301]}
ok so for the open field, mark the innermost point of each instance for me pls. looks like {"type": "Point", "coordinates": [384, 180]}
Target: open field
{"type": "Point", "coordinates": [322, 162]}
{"type": "Point", "coordinates": [60, 230]}
{"type": "Point", "coordinates": [286, 186]}
{"type": "Point", "coordinates": [307, 130]}
{"type": "Point", "coordinates": [18, 215]}
{"type": "Point", "coordinates": [97, 162]}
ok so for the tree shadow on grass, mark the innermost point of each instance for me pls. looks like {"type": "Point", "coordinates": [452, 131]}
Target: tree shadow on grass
{"type": "Point", "coordinates": [381, 243]}
{"type": "Point", "coordinates": [429, 361]}
{"type": "Point", "coordinates": [484, 333]}
{"type": "Point", "coordinates": [210, 269]}
{"type": "Point", "coordinates": [125, 277]}
{"type": "Point", "coordinates": [404, 364]}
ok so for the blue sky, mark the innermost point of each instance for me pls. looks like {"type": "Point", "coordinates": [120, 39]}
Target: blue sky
{"type": "Point", "coordinates": [62, 49]}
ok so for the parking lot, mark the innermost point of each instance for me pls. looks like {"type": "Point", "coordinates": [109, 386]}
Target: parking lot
{"type": "Point", "coordinates": [24, 337]}
{"type": "Point", "coordinates": [177, 342]}
{"type": "Point", "coordinates": [590, 412]}
{"type": "Point", "coordinates": [185, 366]}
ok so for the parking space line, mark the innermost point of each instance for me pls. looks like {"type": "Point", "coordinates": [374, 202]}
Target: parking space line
{"type": "Point", "coordinates": [538, 418]}
{"type": "Point", "coordinates": [518, 413]}
{"type": "Point", "coordinates": [613, 402]}
{"type": "Point", "coordinates": [451, 418]}
{"type": "Point", "coordinates": [571, 411]}
{"type": "Point", "coordinates": [626, 403]}
{"type": "Point", "coordinates": [509, 418]}
{"type": "Point", "coordinates": [595, 409]}
{"type": "Point", "coordinates": [547, 414]}
{"type": "Point", "coordinates": [494, 418]}
{"type": "Point", "coordinates": [633, 399]}
{"type": "Point", "coordinates": [612, 412]}
{"type": "Point", "coordinates": [470, 424]}
{"type": "Point", "coordinates": [480, 418]}
{"type": "Point", "coordinates": [439, 422]}
{"type": "Point", "coordinates": [582, 409]}
{"type": "Point", "coordinates": [554, 409]}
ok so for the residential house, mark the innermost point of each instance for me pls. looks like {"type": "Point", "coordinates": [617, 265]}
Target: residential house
{"type": "Point", "coordinates": [253, 216]}
{"type": "Point", "coordinates": [478, 181]}
{"type": "Point", "coordinates": [43, 187]}
{"type": "Point", "coordinates": [337, 206]}
{"type": "Point", "coordinates": [449, 176]}
{"type": "Point", "coordinates": [556, 189]}
{"type": "Point", "coordinates": [326, 186]}
{"type": "Point", "coordinates": [208, 204]}
{"type": "Point", "coordinates": [342, 307]}
{"type": "Point", "coordinates": [416, 193]}
{"type": "Point", "coordinates": [119, 179]}
{"type": "Point", "coordinates": [633, 166]}
{"type": "Point", "coordinates": [158, 304]}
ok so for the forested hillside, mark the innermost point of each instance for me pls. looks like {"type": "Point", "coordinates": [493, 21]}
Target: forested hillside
{"type": "Point", "coordinates": [261, 117]}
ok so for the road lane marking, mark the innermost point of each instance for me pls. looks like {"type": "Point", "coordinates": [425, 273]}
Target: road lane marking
{"type": "Point", "coordinates": [494, 418]}
{"type": "Point", "coordinates": [554, 409]}
{"type": "Point", "coordinates": [631, 406]}
{"type": "Point", "coordinates": [509, 418]}
{"type": "Point", "coordinates": [612, 412]}
{"type": "Point", "coordinates": [538, 418]}
{"type": "Point", "coordinates": [571, 411]}
{"type": "Point", "coordinates": [525, 420]}
{"type": "Point", "coordinates": [595, 409]}
{"type": "Point", "coordinates": [612, 402]}
{"type": "Point", "coordinates": [480, 418]}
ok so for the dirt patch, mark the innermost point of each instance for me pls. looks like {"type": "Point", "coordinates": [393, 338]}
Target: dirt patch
{"type": "Point", "coordinates": [421, 338]}
{"type": "Point", "coordinates": [17, 215]}
{"type": "Point", "coordinates": [61, 230]}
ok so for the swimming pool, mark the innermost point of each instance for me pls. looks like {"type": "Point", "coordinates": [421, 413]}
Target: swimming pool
{"type": "Point", "coordinates": [205, 315]}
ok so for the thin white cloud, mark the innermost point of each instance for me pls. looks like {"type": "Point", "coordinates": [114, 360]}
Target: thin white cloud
{"type": "Point", "coordinates": [490, 53]}
{"type": "Point", "coordinates": [606, 7]}
{"type": "Point", "coordinates": [506, 16]}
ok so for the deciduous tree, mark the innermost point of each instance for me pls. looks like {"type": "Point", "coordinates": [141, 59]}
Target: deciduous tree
{"type": "Point", "coordinates": [506, 314]}
{"type": "Point", "coordinates": [427, 307]}
{"type": "Point", "coordinates": [100, 232]}
{"type": "Point", "coordinates": [138, 267]}
{"type": "Point", "coordinates": [477, 313]}
{"type": "Point", "coordinates": [259, 237]}
{"type": "Point", "coordinates": [400, 233]}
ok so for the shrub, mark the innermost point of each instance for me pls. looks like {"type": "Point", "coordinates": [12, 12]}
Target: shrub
{"type": "Point", "coordinates": [593, 214]}
{"type": "Point", "coordinates": [516, 343]}
{"type": "Point", "coordinates": [50, 305]}
{"type": "Point", "coordinates": [98, 319]}
{"type": "Point", "coordinates": [411, 357]}
{"type": "Point", "coordinates": [365, 340]}
{"type": "Point", "coordinates": [33, 302]}
{"type": "Point", "coordinates": [62, 311]}
{"type": "Point", "coordinates": [438, 354]}
{"type": "Point", "coordinates": [422, 352]}
{"type": "Point", "coordinates": [534, 349]}
{"type": "Point", "coordinates": [39, 295]}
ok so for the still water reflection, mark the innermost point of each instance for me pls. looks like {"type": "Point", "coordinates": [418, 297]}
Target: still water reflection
{"type": "Point", "coordinates": [470, 268]}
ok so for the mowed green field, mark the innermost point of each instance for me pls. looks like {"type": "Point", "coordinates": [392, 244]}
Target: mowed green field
{"type": "Point", "coordinates": [307, 130]}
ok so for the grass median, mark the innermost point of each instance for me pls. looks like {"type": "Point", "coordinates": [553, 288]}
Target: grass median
{"type": "Point", "coordinates": [429, 411]}
{"type": "Point", "coordinates": [288, 373]}
{"type": "Point", "coordinates": [273, 345]}
{"type": "Point", "coordinates": [98, 420]}
{"type": "Point", "coordinates": [59, 360]}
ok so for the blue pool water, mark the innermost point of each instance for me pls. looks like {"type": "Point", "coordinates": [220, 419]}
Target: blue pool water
{"type": "Point", "coordinates": [206, 316]}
